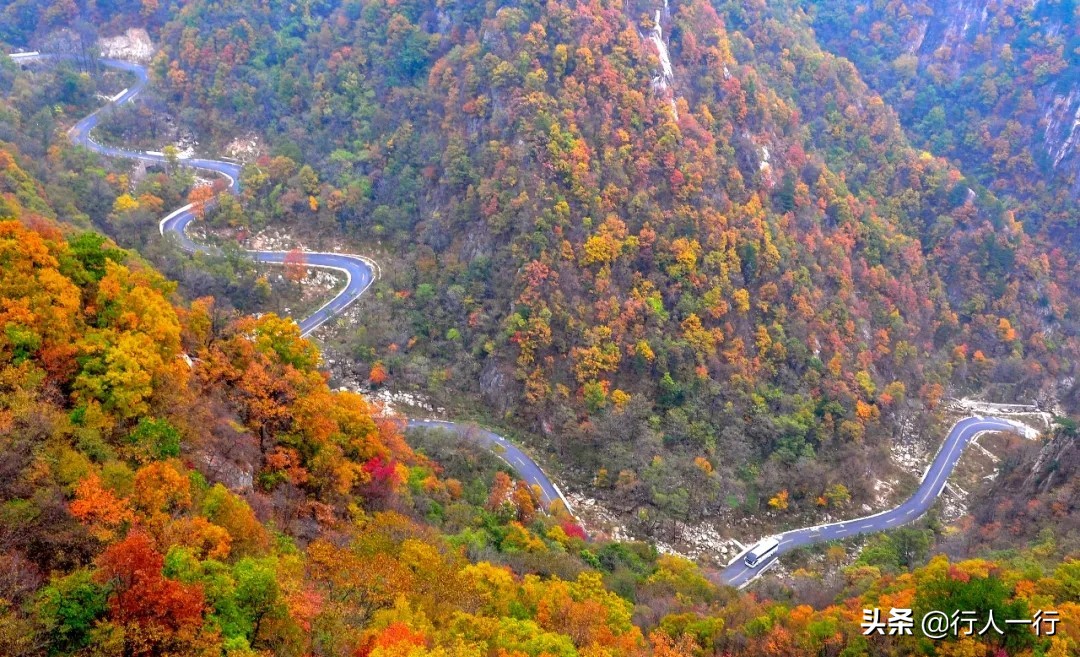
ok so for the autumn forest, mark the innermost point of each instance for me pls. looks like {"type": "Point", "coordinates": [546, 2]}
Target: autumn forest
{"type": "Point", "coordinates": [724, 269]}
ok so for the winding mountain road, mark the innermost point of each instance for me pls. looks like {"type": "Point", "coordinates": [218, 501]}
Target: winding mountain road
{"type": "Point", "coordinates": [738, 574]}
{"type": "Point", "coordinates": [510, 454]}
{"type": "Point", "coordinates": [361, 272]}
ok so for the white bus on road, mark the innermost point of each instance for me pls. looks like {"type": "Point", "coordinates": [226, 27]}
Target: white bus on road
{"type": "Point", "coordinates": [763, 549]}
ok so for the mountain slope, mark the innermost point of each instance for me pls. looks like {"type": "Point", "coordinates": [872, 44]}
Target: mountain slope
{"type": "Point", "coordinates": [119, 536]}
{"type": "Point", "coordinates": [112, 543]}
{"type": "Point", "coordinates": [990, 85]}
{"type": "Point", "coordinates": [702, 237]}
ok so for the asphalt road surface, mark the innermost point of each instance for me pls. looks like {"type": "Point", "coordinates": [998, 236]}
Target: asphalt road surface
{"type": "Point", "coordinates": [360, 273]}
{"type": "Point", "coordinates": [525, 467]}
{"type": "Point", "coordinates": [738, 574]}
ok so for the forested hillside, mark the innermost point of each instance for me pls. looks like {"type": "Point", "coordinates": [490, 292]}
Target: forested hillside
{"type": "Point", "coordinates": [125, 421]}
{"type": "Point", "coordinates": [991, 85]}
{"type": "Point", "coordinates": [683, 246]}
{"type": "Point", "coordinates": [702, 239]}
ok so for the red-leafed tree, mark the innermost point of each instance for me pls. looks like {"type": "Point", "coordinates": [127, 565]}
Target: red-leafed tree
{"type": "Point", "coordinates": [295, 265]}
{"type": "Point", "coordinates": [156, 613]}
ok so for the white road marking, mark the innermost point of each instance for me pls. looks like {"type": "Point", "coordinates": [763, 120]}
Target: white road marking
{"type": "Point", "coordinates": [960, 443]}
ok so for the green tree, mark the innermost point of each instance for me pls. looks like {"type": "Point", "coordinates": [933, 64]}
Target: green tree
{"type": "Point", "coordinates": [68, 608]}
{"type": "Point", "coordinates": [258, 595]}
{"type": "Point", "coordinates": [156, 439]}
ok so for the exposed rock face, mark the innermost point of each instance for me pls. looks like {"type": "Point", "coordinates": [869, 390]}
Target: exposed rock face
{"type": "Point", "coordinates": [1062, 136]}
{"type": "Point", "coordinates": [134, 45]}
{"type": "Point", "coordinates": [975, 37]}
{"type": "Point", "coordinates": [1007, 70]}
{"type": "Point", "coordinates": [1038, 488]}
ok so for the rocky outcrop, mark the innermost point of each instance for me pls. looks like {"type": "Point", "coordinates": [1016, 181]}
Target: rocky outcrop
{"type": "Point", "coordinates": [960, 37]}
{"type": "Point", "coordinates": [1005, 72]}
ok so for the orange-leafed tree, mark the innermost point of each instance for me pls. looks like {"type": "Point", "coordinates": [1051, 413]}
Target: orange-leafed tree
{"type": "Point", "coordinates": [98, 507]}
{"type": "Point", "coordinates": [200, 198]}
{"type": "Point", "coordinates": [378, 374]}
{"type": "Point", "coordinates": [501, 490]}
{"type": "Point", "coordinates": [523, 500]}
{"type": "Point", "coordinates": [665, 646]}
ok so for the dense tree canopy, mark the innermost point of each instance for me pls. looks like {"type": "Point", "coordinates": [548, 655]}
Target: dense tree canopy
{"type": "Point", "coordinates": [747, 264]}
{"type": "Point", "coordinates": [717, 287]}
